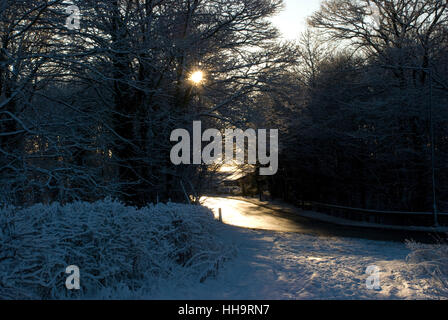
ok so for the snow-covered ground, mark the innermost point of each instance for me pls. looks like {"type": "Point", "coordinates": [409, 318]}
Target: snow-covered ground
{"type": "Point", "coordinates": [288, 265]}
{"type": "Point", "coordinates": [120, 251]}
{"type": "Point", "coordinates": [180, 252]}
{"type": "Point", "coordinates": [273, 265]}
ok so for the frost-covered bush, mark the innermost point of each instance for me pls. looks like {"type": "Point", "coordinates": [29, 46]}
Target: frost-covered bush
{"type": "Point", "coordinates": [429, 263]}
{"type": "Point", "coordinates": [117, 248]}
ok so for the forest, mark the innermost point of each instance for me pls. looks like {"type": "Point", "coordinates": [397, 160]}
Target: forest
{"type": "Point", "coordinates": [360, 100]}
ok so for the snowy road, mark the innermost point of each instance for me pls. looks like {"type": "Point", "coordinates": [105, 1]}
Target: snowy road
{"type": "Point", "coordinates": [245, 214]}
{"type": "Point", "coordinates": [282, 217]}
{"type": "Point", "coordinates": [284, 264]}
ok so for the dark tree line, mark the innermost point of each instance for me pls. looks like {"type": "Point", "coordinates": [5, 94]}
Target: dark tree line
{"type": "Point", "coordinates": [370, 77]}
{"type": "Point", "coordinates": [87, 113]}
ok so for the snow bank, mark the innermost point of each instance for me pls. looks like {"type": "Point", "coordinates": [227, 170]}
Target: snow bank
{"type": "Point", "coordinates": [428, 263]}
{"type": "Point", "coordinates": [122, 252]}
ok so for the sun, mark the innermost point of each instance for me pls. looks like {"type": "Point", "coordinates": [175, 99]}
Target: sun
{"type": "Point", "coordinates": [197, 77]}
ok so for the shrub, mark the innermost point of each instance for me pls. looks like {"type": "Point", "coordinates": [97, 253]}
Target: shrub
{"type": "Point", "coordinates": [429, 263]}
{"type": "Point", "coordinates": [117, 248]}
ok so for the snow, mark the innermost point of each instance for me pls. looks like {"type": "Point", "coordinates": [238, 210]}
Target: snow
{"type": "Point", "coordinates": [430, 264]}
{"type": "Point", "coordinates": [284, 207]}
{"type": "Point", "coordinates": [275, 265]}
{"type": "Point", "coordinates": [177, 251]}
{"type": "Point", "coordinates": [121, 251]}
{"type": "Point", "coordinates": [281, 260]}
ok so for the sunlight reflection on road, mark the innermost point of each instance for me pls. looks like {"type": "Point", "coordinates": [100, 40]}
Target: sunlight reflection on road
{"type": "Point", "coordinates": [247, 215]}
{"type": "Point", "coordinates": [282, 217]}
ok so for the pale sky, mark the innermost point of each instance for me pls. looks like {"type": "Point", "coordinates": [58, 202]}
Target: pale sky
{"type": "Point", "coordinates": [292, 20]}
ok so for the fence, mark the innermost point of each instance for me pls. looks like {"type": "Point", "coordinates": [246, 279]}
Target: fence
{"type": "Point", "coordinates": [402, 218]}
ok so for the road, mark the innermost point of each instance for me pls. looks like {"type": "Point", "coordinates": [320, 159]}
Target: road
{"type": "Point", "coordinates": [279, 255]}
{"type": "Point", "coordinates": [282, 217]}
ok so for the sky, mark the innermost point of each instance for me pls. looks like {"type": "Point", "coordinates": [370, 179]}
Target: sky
{"type": "Point", "coordinates": [292, 20]}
